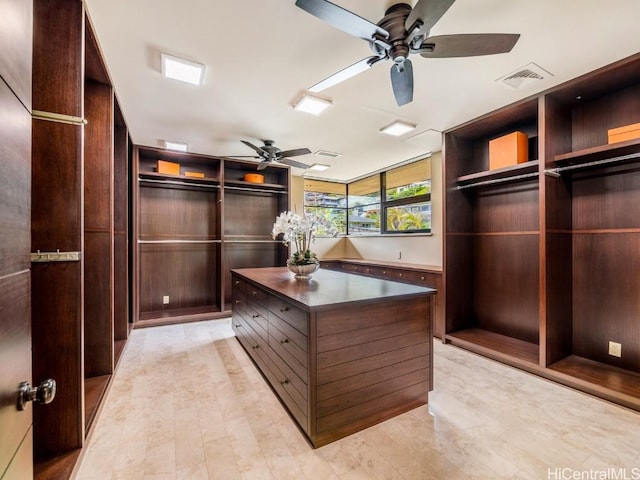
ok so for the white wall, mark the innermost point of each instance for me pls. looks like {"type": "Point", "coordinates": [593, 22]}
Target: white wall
{"type": "Point", "coordinates": [414, 248]}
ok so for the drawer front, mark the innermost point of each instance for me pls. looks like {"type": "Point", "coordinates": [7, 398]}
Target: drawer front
{"type": "Point", "coordinates": [254, 344]}
{"type": "Point", "coordinates": [257, 321]}
{"type": "Point", "coordinates": [290, 352]}
{"type": "Point", "coordinates": [291, 314]}
{"type": "Point", "coordinates": [414, 277]}
{"type": "Point", "coordinates": [253, 295]}
{"type": "Point", "coordinates": [288, 382]}
{"type": "Point", "coordinates": [283, 332]}
{"type": "Point", "coordinates": [283, 390]}
{"type": "Point", "coordinates": [239, 327]}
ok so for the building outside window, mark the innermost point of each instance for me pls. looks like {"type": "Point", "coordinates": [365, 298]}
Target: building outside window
{"type": "Point", "coordinates": [327, 199]}
{"type": "Point", "coordinates": [363, 206]}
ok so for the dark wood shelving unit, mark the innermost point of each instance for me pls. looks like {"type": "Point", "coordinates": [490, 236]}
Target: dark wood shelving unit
{"type": "Point", "coordinates": [80, 308]}
{"type": "Point", "coordinates": [200, 228]}
{"type": "Point", "coordinates": [250, 209]}
{"type": "Point", "coordinates": [541, 261]}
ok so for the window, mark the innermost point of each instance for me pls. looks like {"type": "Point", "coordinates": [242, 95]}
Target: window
{"type": "Point", "coordinates": [391, 202]}
{"type": "Point", "coordinates": [407, 206]}
{"type": "Point", "coordinates": [327, 199]}
{"type": "Point", "coordinates": [364, 206]}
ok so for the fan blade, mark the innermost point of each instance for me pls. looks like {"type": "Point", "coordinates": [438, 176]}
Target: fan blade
{"type": "Point", "coordinates": [469, 44]}
{"type": "Point", "coordinates": [342, 19]}
{"type": "Point", "coordinates": [294, 153]}
{"type": "Point", "coordinates": [293, 163]}
{"type": "Point", "coordinates": [345, 73]}
{"type": "Point", "coordinates": [263, 164]}
{"type": "Point", "coordinates": [402, 82]}
{"type": "Point", "coordinates": [428, 12]}
{"type": "Point", "coordinates": [259, 150]}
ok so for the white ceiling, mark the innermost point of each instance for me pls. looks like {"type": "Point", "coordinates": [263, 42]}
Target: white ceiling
{"type": "Point", "coordinates": [262, 54]}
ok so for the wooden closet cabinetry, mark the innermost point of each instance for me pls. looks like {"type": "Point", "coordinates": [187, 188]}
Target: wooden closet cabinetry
{"type": "Point", "coordinates": [341, 353]}
{"type": "Point", "coordinates": [541, 259]}
{"type": "Point", "coordinates": [80, 207]}
{"type": "Point", "coordinates": [191, 231]}
{"type": "Point", "coordinates": [400, 272]}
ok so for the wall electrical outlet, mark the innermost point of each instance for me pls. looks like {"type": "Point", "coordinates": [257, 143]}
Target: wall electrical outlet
{"type": "Point", "coordinates": [615, 349]}
{"type": "Point", "coordinates": [165, 300]}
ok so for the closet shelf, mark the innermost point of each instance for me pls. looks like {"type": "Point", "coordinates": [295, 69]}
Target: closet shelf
{"type": "Point", "coordinates": [510, 174]}
{"type": "Point", "coordinates": [179, 180]}
{"type": "Point", "coordinates": [610, 153]}
{"type": "Point", "coordinates": [242, 185]}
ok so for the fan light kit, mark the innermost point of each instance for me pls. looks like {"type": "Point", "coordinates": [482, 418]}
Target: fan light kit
{"type": "Point", "coordinates": [397, 128]}
{"type": "Point", "coordinates": [178, 146]}
{"type": "Point", "coordinates": [402, 31]}
{"type": "Point", "coordinates": [313, 105]}
{"type": "Point", "coordinates": [181, 69]}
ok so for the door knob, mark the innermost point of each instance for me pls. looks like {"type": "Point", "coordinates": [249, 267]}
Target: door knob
{"type": "Point", "coordinates": [44, 393]}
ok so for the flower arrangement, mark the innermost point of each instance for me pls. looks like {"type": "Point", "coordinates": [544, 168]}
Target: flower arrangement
{"type": "Point", "coordinates": [300, 231]}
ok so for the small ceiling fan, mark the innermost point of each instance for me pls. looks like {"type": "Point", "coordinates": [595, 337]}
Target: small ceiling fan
{"type": "Point", "coordinates": [270, 153]}
{"type": "Point", "coordinates": [402, 31]}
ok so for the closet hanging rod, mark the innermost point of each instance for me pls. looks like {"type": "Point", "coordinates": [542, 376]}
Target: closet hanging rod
{"type": "Point", "coordinates": [248, 189]}
{"type": "Point", "coordinates": [178, 241]}
{"type": "Point", "coordinates": [252, 241]}
{"type": "Point", "coordinates": [173, 182]}
{"type": "Point", "coordinates": [58, 117]}
{"type": "Point", "coordinates": [498, 180]}
{"type": "Point", "coordinates": [594, 163]}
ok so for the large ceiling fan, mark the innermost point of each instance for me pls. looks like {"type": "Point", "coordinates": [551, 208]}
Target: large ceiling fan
{"type": "Point", "coordinates": [402, 31]}
{"type": "Point", "coordinates": [270, 153]}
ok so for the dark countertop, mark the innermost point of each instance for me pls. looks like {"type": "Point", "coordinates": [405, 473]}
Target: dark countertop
{"type": "Point", "coordinates": [329, 288]}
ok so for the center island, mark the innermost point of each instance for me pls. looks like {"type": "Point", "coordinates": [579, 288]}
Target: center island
{"type": "Point", "coordinates": [343, 352]}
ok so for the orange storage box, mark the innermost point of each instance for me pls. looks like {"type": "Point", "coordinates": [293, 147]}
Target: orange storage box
{"type": "Point", "coordinates": [627, 132]}
{"type": "Point", "coordinates": [508, 150]}
{"type": "Point", "coordinates": [170, 168]}
{"type": "Point", "coordinates": [253, 178]}
{"type": "Point", "coordinates": [194, 174]}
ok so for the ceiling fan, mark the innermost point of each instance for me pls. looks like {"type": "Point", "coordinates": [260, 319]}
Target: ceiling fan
{"type": "Point", "coordinates": [270, 153]}
{"type": "Point", "coordinates": [403, 30]}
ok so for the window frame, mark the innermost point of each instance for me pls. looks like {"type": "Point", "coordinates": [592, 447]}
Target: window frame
{"type": "Point", "coordinates": [384, 204]}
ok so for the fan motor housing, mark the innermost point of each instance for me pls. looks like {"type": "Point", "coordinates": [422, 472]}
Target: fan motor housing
{"type": "Point", "coordinates": [394, 22]}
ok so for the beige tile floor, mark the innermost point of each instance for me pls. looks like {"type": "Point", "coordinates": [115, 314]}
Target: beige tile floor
{"type": "Point", "coordinates": [187, 403]}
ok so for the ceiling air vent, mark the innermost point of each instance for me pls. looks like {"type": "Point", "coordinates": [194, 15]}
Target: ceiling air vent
{"type": "Point", "coordinates": [325, 153]}
{"type": "Point", "coordinates": [524, 76]}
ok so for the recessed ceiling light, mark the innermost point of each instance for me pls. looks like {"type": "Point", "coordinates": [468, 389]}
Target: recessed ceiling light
{"type": "Point", "coordinates": [319, 167]}
{"type": "Point", "coordinates": [181, 69]}
{"type": "Point", "coordinates": [397, 128]}
{"type": "Point", "coordinates": [178, 146]}
{"type": "Point", "coordinates": [313, 105]}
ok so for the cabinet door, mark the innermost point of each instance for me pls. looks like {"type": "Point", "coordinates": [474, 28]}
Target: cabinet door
{"type": "Point", "coordinates": [15, 283]}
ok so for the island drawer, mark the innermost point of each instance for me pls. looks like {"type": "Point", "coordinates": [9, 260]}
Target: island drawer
{"type": "Point", "coordinates": [290, 352]}
{"type": "Point", "coordinates": [291, 314]}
